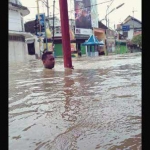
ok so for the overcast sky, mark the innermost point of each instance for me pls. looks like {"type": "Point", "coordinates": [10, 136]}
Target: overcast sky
{"type": "Point", "coordinates": [115, 17]}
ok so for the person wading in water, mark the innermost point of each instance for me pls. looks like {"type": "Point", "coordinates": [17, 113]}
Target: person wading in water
{"type": "Point", "coordinates": [48, 60]}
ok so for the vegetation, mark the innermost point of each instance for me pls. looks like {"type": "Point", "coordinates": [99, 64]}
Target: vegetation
{"type": "Point", "coordinates": [137, 40]}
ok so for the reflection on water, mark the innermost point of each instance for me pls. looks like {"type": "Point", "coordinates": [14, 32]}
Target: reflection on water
{"type": "Point", "coordinates": [95, 106]}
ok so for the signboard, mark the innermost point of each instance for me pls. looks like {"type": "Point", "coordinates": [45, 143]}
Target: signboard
{"type": "Point", "coordinates": [126, 27]}
{"type": "Point", "coordinates": [110, 34]}
{"type": "Point", "coordinates": [72, 37]}
{"type": "Point", "coordinates": [94, 13]}
{"type": "Point", "coordinates": [42, 23]}
{"type": "Point", "coordinates": [83, 23]}
{"type": "Point", "coordinates": [73, 47]}
{"type": "Point", "coordinates": [110, 45]}
{"type": "Point", "coordinates": [110, 41]}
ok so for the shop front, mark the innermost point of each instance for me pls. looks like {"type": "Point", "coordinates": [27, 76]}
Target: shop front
{"type": "Point", "coordinates": [100, 34]}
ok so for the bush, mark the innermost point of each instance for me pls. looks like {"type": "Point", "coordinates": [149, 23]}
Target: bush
{"type": "Point", "coordinates": [137, 40]}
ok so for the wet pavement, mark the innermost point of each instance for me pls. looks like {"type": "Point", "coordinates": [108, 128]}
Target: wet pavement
{"type": "Point", "coordinates": [96, 106]}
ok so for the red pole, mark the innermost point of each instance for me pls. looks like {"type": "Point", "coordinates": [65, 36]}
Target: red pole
{"type": "Point", "coordinates": [65, 33]}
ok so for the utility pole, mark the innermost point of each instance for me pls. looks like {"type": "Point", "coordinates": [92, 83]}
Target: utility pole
{"type": "Point", "coordinates": [40, 40]}
{"type": "Point", "coordinates": [65, 33]}
{"type": "Point", "coordinates": [47, 5]}
{"type": "Point", "coordinates": [47, 9]}
{"type": "Point", "coordinates": [53, 27]}
{"type": "Point", "coordinates": [133, 20]}
{"type": "Point", "coordinates": [53, 21]}
{"type": "Point", "coordinates": [106, 17]}
{"type": "Point", "coordinates": [106, 14]}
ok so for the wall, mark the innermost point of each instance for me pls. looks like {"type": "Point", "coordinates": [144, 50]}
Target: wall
{"type": "Point", "coordinates": [15, 21]}
{"type": "Point", "coordinates": [130, 34]}
{"type": "Point", "coordinates": [83, 50]}
{"type": "Point", "coordinates": [135, 23]}
{"type": "Point", "coordinates": [18, 52]}
{"type": "Point", "coordinates": [59, 51]}
{"type": "Point", "coordinates": [36, 45]}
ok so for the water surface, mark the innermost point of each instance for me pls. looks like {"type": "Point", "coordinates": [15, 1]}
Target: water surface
{"type": "Point", "coordinates": [96, 106]}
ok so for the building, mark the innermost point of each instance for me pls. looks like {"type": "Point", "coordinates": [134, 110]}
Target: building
{"type": "Point", "coordinates": [17, 46]}
{"type": "Point", "coordinates": [77, 38]}
{"type": "Point", "coordinates": [134, 24]}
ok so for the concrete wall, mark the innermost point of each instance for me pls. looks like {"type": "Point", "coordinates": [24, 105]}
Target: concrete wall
{"type": "Point", "coordinates": [130, 34]}
{"type": "Point", "coordinates": [18, 52]}
{"type": "Point", "coordinates": [36, 45]}
{"type": "Point", "coordinates": [135, 23]}
{"type": "Point", "coordinates": [15, 21]}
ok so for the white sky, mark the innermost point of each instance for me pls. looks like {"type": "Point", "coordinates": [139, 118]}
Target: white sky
{"type": "Point", "coordinates": [115, 17]}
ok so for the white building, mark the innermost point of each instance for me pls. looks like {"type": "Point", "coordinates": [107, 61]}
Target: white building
{"type": "Point", "coordinates": [134, 24]}
{"type": "Point", "coordinates": [17, 47]}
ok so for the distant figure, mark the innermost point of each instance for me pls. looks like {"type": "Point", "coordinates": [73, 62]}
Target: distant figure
{"type": "Point", "coordinates": [79, 53]}
{"type": "Point", "coordinates": [48, 60]}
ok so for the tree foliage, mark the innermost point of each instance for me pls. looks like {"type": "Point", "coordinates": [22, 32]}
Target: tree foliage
{"type": "Point", "coordinates": [137, 40]}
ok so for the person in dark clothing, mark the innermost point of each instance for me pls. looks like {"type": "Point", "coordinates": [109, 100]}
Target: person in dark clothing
{"type": "Point", "coordinates": [79, 53]}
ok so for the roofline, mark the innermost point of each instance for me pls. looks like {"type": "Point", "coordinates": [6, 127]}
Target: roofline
{"type": "Point", "coordinates": [130, 28]}
{"type": "Point", "coordinates": [25, 34]}
{"type": "Point", "coordinates": [131, 18]}
{"type": "Point", "coordinates": [24, 10]}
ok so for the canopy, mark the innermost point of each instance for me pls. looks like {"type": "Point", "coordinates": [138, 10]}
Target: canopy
{"type": "Point", "coordinates": [93, 41]}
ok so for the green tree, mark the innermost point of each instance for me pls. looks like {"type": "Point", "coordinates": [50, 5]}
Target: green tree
{"type": "Point", "coordinates": [137, 40]}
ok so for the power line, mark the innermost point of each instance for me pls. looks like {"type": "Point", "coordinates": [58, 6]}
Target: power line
{"type": "Point", "coordinates": [81, 8]}
{"type": "Point", "coordinates": [111, 3]}
{"type": "Point", "coordinates": [89, 6]}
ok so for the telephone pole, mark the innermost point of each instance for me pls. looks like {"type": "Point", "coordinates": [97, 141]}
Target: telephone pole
{"type": "Point", "coordinates": [65, 33]}
{"type": "Point", "coordinates": [47, 9]}
{"type": "Point", "coordinates": [38, 13]}
{"type": "Point", "coordinates": [106, 14]}
{"type": "Point", "coordinates": [53, 21]}
{"type": "Point", "coordinates": [133, 20]}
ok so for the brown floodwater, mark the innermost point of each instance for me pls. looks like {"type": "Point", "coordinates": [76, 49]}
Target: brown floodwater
{"type": "Point", "coordinates": [96, 106]}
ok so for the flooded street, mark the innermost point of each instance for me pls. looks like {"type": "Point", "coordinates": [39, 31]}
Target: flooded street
{"type": "Point", "coordinates": [96, 106]}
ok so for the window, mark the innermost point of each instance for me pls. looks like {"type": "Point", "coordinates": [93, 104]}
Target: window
{"type": "Point", "coordinates": [31, 49]}
{"type": "Point", "coordinates": [16, 38]}
{"type": "Point", "coordinates": [125, 34]}
{"type": "Point", "coordinates": [57, 30]}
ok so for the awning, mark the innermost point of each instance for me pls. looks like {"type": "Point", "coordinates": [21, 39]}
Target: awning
{"type": "Point", "coordinates": [30, 41]}
{"type": "Point", "coordinates": [93, 41]}
{"type": "Point", "coordinates": [25, 34]}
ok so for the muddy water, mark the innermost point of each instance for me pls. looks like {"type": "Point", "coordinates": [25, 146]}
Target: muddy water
{"type": "Point", "coordinates": [97, 106]}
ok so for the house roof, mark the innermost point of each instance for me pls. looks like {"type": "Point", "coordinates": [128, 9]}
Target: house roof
{"type": "Point", "coordinates": [29, 26]}
{"type": "Point", "coordinates": [137, 33]}
{"type": "Point", "coordinates": [101, 25]}
{"type": "Point", "coordinates": [119, 26]}
{"type": "Point", "coordinates": [25, 34]}
{"type": "Point", "coordinates": [15, 4]}
{"type": "Point", "coordinates": [130, 18]}
{"type": "Point", "coordinates": [93, 41]}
